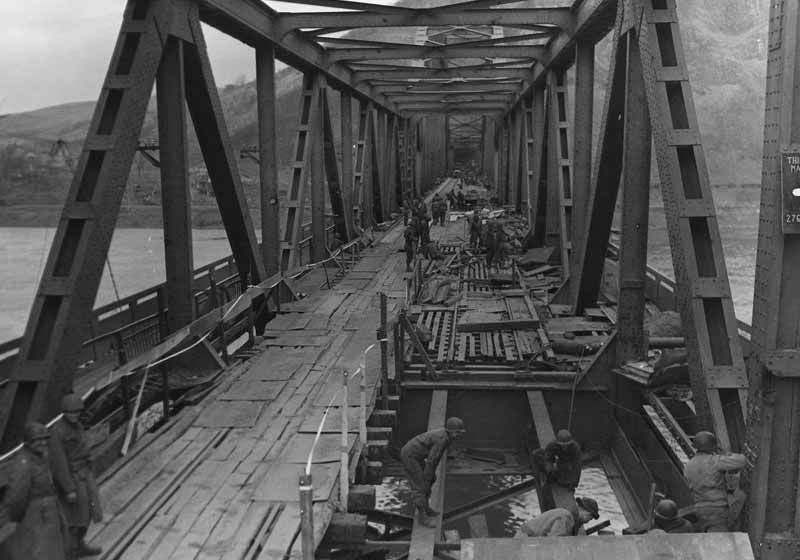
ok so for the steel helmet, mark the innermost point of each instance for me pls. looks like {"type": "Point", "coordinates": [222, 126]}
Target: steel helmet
{"type": "Point", "coordinates": [705, 441]}
{"type": "Point", "coordinates": [589, 505]}
{"type": "Point", "coordinates": [454, 424]}
{"type": "Point", "coordinates": [34, 431]}
{"type": "Point", "coordinates": [564, 437]}
{"type": "Point", "coordinates": [666, 509]}
{"type": "Point", "coordinates": [71, 403]}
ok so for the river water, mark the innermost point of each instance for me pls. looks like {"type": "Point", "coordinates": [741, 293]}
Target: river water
{"type": "Point", "coordinates": [137, 257]}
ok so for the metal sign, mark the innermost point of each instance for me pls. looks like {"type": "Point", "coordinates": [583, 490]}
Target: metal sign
{"type": "Point", "coordinates": [790, 199]}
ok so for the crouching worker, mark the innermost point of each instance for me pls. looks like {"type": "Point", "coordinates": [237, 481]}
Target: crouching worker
{"type": "Point", "coordinates": [560, 522]}
{"type": "Point", "coordinates": [32, 502]}
{"type": "Point", "coordinates": [71, 462]}
{"type": "Point", "coordinates": [421, 456]}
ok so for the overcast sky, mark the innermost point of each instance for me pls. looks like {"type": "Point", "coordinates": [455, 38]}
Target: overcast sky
{"type": "Point", "coordinates": [56, 51]}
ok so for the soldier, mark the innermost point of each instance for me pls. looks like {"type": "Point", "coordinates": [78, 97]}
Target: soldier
{"type": "Point", "coordinates": [494, 241]}
{"type": "Point", "coordinates": [411, 237]}
{"type": "Point", "coordinates": [71, 462]}
{"type": "Point", "coordinates": [666, 519]}
{"type": "Point", "coordinates": [475, 230]}
{"type": "Point", "coordinates": [705, 474]}
{"type": "Point", "coordinates": [33, 504]}
{"type": "Point", "coordinates": [560, 522]}
{"type": "Point", "coordinates": [560, 464]}
{"type": "Point", "coordinates": [421, 456]}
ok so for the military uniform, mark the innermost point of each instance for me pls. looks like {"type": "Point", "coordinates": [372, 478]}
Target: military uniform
{"type": "Point", "coordinates": [705, 474]}
{"type": "Point", "coordinates": [32, 501]}
{"type": "Point", "coordinates": [557, 522]}
{"type": "Point", "coordinates": [475, 230]}
{"type": "Point", "coordinates": [411, 241]}
{"type": "Point", "coordinates": [420, 457]}
{"type": "Point", "coordinates": [70, 460]}
{"type": "Point", "coordinates": [562, 463]}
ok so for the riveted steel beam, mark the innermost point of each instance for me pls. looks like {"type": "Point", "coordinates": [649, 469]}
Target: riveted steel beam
{"type": "Point", "coordinates": [255, 22]}
{"type": "Point", "coordinates": [449, 98]}
{"type": "Point", "coordinates": [560, 17]}
{"type": "Point", "coordinates": [426, 52]}
{"type": "Point", "coordinates": [439, 73]}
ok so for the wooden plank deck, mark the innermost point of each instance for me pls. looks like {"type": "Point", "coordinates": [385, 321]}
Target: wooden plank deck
{"type": "Point", "coordinates": [221, 479]}
{"type": "Point", "coordinates": [225, 485]}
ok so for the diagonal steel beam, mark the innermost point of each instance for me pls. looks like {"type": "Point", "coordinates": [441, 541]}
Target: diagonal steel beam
{"type": "Point", "coordinates": [561, 17]}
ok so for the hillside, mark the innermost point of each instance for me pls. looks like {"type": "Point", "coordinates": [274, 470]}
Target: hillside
{"type": "Point", "coordinates": [725, 48]}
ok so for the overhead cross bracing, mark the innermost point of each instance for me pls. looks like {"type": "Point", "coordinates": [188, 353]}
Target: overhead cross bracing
{"type": "Point", "coordinates": [522, 42]}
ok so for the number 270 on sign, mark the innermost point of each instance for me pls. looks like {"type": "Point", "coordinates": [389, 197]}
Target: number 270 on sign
{"type": "Point", "coordinates": [792, 218]}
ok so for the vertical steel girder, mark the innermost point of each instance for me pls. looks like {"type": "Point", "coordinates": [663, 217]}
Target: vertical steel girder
{"type": "Point", "coordinates": [317, 168]}
{"type": "Point", "coordinates": [586, 278]}
{"type": "Point", "coordinates": [335, 191]}
{"type": "Point", "coordinates": [773, 442]}
{"type": "Point", "coordinates": [582, 128]}
{"type": "Point", "coordinates": [538, 161]}
{"type": "Point", "coordinates": [268, 158]}
{"type": "Point", "coordinates": [631, 344]}
{"type": "Point", "coordinates": [346, 115]}
{"type": "Point", "coordinates": [176, 199]}
{"type": "Point", "coordinates": [561, 147]}
{"type": "Point", "coordinates": [361, 173]}
{"type": "Point", "coordinates": [375, 156]}
{"type": "Point", "coordinates": [294, 209]}
{"type": "Point", "coordinates": [553, 234]}
{"type": "Point", "coordinates": [61, 312]}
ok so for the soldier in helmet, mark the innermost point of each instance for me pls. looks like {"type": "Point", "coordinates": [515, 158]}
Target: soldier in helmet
{"type": "Point", "coordinates": [421, 456]}
{"type": "Point", "coordinates": [32, 502]}
{"type": "Point", "coordinates": [558, 466]}
{"type": "Point", "coordinates": [561, 522]}
{"type": "Point", "coordinates": [560, 460]}
{"type": "Point", "coordinates": [705, 474]}
{"type": "Point", "coordinates": [666, 519]}
{"type": "Point", "coordinates": [71, 462]}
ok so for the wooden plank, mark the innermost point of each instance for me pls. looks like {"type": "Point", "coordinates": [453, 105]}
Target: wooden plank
{"type": "Point", "coordinates": [257, 519]}
{"type": "Point", "coordinates": [327, 450]}
{"type": "Point", "coordinates": [249, 390]}
{"type": "Point", "coordinates": [478, 528]}
{"type": "Point", "coordinates": [422, 537]}
{"type": "Point", "coordinates": [541, 418]}
{"type": "Point", "coordinates": [500, 324]}
{"type": "Point", "coordinates": [221, 414]}
{"type": "Point", "coordinates": [283, 534]}
{"type": "Point", "coordinates": [572, 324]}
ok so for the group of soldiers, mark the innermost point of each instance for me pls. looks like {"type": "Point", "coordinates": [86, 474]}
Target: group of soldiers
{"type": "Point", "coordinates": [558, 467]}
{"type": "Point", "coordinates": [52, 494]}
{"type": "Point", "coordinates": [484, 233]}
{"type": "Point", "coordinates": [717, 503]}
